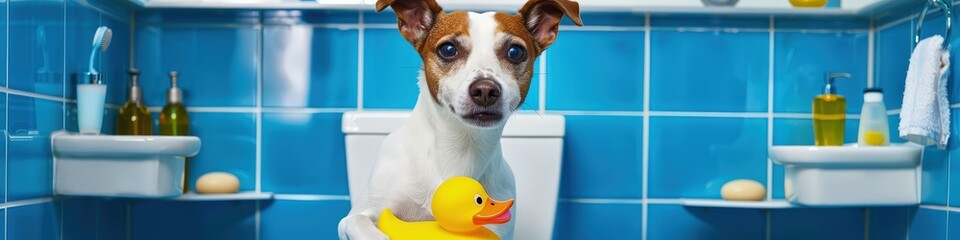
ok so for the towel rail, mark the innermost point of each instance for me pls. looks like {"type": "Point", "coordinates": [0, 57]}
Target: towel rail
{"type": "Point", "coordinates": [948, 13]}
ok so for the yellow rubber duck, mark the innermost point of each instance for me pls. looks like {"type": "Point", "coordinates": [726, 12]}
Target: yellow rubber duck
{"type": "Point", "coordinates": [461, 207]}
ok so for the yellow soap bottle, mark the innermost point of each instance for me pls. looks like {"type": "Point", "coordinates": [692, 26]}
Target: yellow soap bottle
{"type": "Point", "coordinates": [829, 114]}
{"type": "Point", "coordinates": [174, 120]}
{"type": "Point", "coordinates": [134, 118]}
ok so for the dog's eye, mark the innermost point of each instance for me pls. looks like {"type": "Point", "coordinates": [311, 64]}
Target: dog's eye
{"type": "Point", "coordinates": [478, 199]}
{"type": "Point", "coordinates": [447, 51]}
{"type": "Point", "coordinates": [516, 54]}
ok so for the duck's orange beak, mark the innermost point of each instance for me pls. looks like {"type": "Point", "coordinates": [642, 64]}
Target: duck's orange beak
{"type": "Point", "coordinates": [493, 212]}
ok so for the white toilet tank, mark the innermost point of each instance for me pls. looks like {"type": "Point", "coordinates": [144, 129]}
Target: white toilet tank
{"type": "Point", "coordinates": [532, 144]}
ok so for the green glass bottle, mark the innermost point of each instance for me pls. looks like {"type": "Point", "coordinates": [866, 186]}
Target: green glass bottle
{"type": "Point", "coordinates": [174, 120]}
{"type": "Point", "coordinates": [134, 118]}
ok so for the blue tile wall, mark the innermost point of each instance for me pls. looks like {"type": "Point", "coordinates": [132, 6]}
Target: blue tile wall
{"type": "Point", "coordinates": [37, 221]}
{"type": "Point", "coordinates": [615, 221]}
{"type": "Point", "coordinates": [610, 170]}
{"type": "Point", "coordinates": [309, 67]}
{"type": "Point", "coordinates": [218, 66]}
{"type": "Point", "coordinates": [928, 224]}
{"type": "Point", "coordinates": [934, 177]}
{"type": "Point", "coordinates": [81, 216]}
{"type": "Point", "coordinates": [888, 223]}
{"type": "Point", "coordinates": [229, 145]}
{"type": "Point", "coordinates": [802, 60]}
{"type": "Point", "coordinates": [613, 85]}
{"type": "Point", "coordinates": [817, 223]}
{"type": "Point", "coordinates": [37, 65]}
{"type": "Point", "coordinates": [735, 149]}
{"type": "Point", "coordinates": [893, 49]}
{"type": "Point", "coordinates": [285, 219]}
{"type": "Point", "coordinates": [193, 220]}
{"type": "Point", "coordinates": [112, 217]}
{"type": "Point", "coordinates": [719, 83]}
{"type": "Point", "coordinates": [390, 68]}
{"type": "Point", "coordinates": [294, 166]}
{"type": "Point", "coordinates": [48, 45]}
{"type": "Point", "coordinates": [30, 165]}
{"type": "Point", "coordinates": [279, 80]}
{"type": "Point", "coordinates": [678, 222]}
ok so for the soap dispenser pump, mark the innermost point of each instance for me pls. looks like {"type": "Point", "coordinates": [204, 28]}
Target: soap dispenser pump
{"type": "Point", "coordinates": [134, 118]}
{"type": "Point", "coordinates": [829, 113]}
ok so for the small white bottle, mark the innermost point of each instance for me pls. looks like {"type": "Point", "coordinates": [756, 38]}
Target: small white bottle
{"type": "Point", "coordinates": [874, 129]}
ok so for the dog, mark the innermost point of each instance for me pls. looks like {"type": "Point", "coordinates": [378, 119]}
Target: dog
{"type": "Point", "coordinates": [476, 71]}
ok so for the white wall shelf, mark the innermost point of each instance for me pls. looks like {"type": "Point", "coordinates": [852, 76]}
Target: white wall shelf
{"type": "Point", "coordinates": [768, 204]}
{"type": "Point", "coordinates": [241, 196]}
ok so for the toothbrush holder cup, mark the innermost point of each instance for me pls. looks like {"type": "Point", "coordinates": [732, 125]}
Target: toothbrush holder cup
{"type": "Point", "coordinates": [90, 103]}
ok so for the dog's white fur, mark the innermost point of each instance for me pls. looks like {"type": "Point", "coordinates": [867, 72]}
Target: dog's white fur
{"type": "Point", "coordinates": [436, 144]}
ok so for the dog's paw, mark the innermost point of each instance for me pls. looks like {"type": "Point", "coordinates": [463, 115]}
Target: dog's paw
{"type": "Point", "coordinates": [360, 227]}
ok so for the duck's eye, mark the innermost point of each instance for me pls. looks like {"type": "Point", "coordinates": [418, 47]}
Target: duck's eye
{"type": "Point", "coordinates": [516, 53]}
{"type": "Point", "coordinates": [447, 51]}
{"type": "Point", "coordinates": [478, 199]}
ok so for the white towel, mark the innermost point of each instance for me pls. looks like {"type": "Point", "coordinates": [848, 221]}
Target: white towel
{"type": "Point", "coordinates": [925, 115]}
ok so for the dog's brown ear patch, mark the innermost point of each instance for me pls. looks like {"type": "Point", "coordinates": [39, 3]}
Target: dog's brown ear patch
{"type": "Point", "coordinates": [542, 18]}
{"type": "Point", "coordinates": [414, 17]}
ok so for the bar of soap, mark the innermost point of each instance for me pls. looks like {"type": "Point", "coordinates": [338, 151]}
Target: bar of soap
{"type": "Point", "coordinates": [743, 190]}
{"type": "Point", "coordinates": [217, 182]}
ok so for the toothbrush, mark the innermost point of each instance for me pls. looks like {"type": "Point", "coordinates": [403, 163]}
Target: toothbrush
{"type": "Point", "coordinates": [101, 40]}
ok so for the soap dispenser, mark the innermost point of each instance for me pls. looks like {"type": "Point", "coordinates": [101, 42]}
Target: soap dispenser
{"type": "Point", "coordinates": [174, 120]}
{"type": "Point", "coordinates": [134, 118]}
{"type": "Point", "coordinates": [874, 130]}
{"type": "Point", "coordinates": [829, 113]}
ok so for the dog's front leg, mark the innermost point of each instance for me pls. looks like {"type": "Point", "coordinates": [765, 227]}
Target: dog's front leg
{"type": "Point", "coordinates": [360, 226]}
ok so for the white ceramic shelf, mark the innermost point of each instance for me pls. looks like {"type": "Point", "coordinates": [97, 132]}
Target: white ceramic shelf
{"type": "Point", "coordinates": [241, 196]}
{"type": "Point", "coordinates": [120, 166]}
{"type": "Point", "coordinates": [850, 175]}
{"type": "Point", "coordinates": [768, 204]}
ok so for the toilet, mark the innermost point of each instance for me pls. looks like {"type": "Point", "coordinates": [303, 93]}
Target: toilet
{"type": "Point", "coordinates": [532, 144]}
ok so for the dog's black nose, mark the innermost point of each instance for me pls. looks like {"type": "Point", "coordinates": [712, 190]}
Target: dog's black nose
{"type": "Point", "coordinates": [484, 92]}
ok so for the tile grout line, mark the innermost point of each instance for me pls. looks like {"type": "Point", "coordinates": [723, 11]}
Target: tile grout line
{"type": "Point", "coordinates": [259, 119]}
{"type": "Point", "coordinates": [90, 5]}
{"type": "Point", "coordinates": [871, 83]}
{"type": "Point", "coordinates": [866, 223]}
{"type": "Point", "coordinates": [360, 61]}
{"type": "Point", "coordinates": [6, 115]}
{"type": "Point", "coordinates": [128, 232]}
{"type": "Point", "coordinates": [258, 110]}
{"type": "Point", "coordinates": [34, 95]}
{"type": "Point", "coordinates": [599, 28]}
{"type": "Point", "coordinates": [770, 68]}
{"type": "Point", "coordinates": [770, 76]}
{"type": "Point", "coordinates": [63, 105]}
{"type": "Point", "coordinates": [645, 148]}
{"type": "Point", "coordinates": [871, 43]}
{"type": "Point", "coordinates": [133, 39]}
{"type": "Point", "coordinates": [26, 202]}
{"type": "Point", "coordinates": [129, 219]}
{"type": "Point", "coordinates": [949, 163]}
{"type": "Point", "coordinates": [543, 83]}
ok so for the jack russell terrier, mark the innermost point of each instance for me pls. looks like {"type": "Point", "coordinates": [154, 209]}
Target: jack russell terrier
{"type": "Point", "coordinates": [476, 72]}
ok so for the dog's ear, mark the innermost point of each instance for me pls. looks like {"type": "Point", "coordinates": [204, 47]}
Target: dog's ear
{"type": "Point", "coordinates": [542, 18]}
{"type": "Point", "coordinates": [414, 17]}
